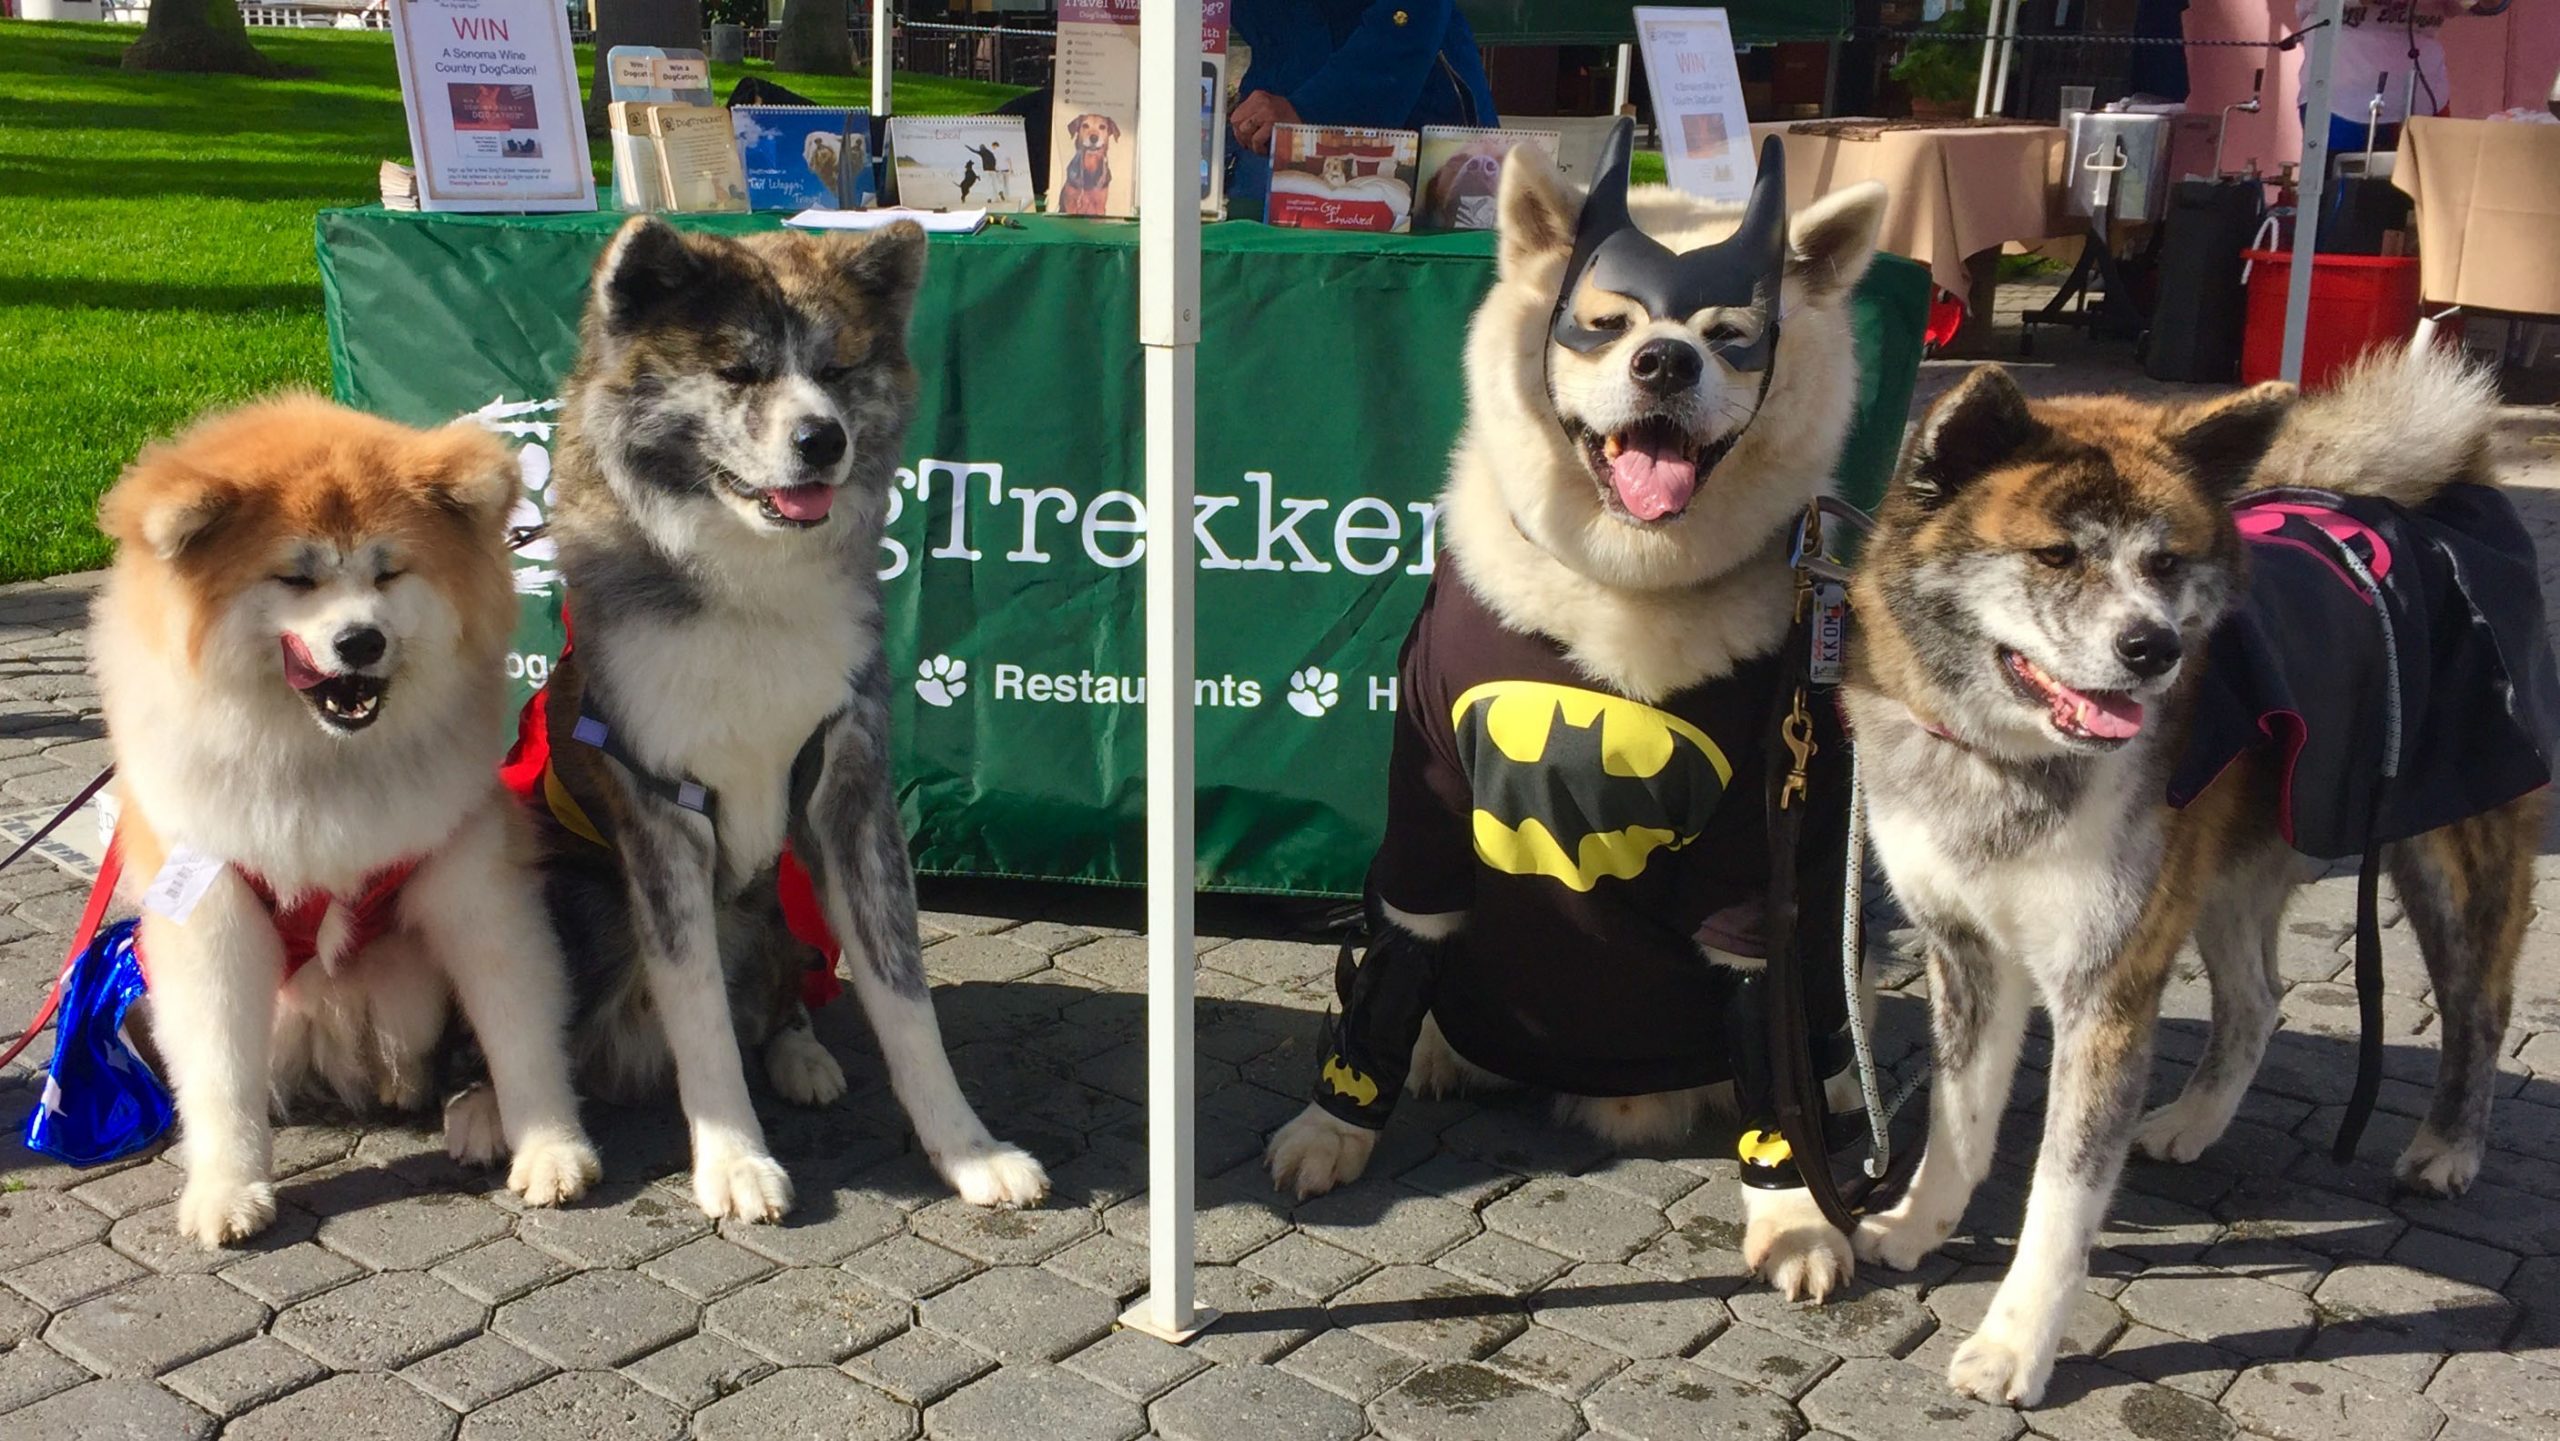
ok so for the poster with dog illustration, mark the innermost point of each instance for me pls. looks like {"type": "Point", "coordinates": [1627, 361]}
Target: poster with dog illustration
{"type": "Point", "coordinates": [1093, 144]}
{"type": "Point", "coordinates": [1462, 173]}
{"type": "Point", "coordinates": [1332, 177]}
{"type": "Point", "coordinates": [976, 163]}
{"type": "Point", "coordinates": [806, 157]}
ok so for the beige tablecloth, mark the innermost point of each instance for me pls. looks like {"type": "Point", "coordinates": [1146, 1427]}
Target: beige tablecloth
{"type": "Point", "coordinates": [2488, 194]}
{"type": "Point", "coordinates": [1954, 193]}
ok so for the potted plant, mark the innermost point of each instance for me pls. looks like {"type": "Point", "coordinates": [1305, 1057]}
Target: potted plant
{"type": "Point", "coordinates": [1941, 75]}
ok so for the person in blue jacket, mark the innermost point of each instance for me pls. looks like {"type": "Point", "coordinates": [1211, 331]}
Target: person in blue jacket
{"type": "Point", "coordinates": [1397, 64]}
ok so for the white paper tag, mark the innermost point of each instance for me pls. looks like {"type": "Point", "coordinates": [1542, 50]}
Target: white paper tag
{"type": "Point", "coordinates": [183, 880]}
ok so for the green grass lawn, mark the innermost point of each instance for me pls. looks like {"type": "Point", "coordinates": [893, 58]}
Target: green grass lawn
{"type": "Point", "coordinates": [155, 244]}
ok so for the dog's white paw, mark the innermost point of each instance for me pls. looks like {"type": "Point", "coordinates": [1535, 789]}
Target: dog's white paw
{"type": "Point", "coordinates": [1316, 1152]}
{"type": "Point", "coordinates": [473, 1132]}
{"type": "Point", "coordinates": [216, 1211]}
{"type": "Point", "coordinates": [997, 1175]}
{"type": "Point", "coordinates": [1631, 1122]}
{"type": "Point", "coordinates": [2438, 1167]}
{"type": "Point", "coordinates": [2177, 1132]}
{"type": "Point", "coordinates": [1787, 1242]}
{"type": "Point", "coordinates": [1991, 1367]}
{"type": "Point", "coordinates": [802, 1070]}
{"type": "Point", "coordinates": [554, 1167]}
{"type": "Point", "coordinates": [1898, 1239]}
{"type": "Point", "coordinates": [730, 1180]}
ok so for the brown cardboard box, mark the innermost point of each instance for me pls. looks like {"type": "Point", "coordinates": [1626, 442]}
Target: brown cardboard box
{"type": "Point", "coordinates": [2488, 194]}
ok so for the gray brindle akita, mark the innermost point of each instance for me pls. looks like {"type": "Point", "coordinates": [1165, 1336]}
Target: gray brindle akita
{"type": "Point", "coordinates": [724, 460]}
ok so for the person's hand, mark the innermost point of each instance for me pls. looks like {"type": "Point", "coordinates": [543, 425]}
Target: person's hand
{"type": "Point", "coordinates": [1254, 117]}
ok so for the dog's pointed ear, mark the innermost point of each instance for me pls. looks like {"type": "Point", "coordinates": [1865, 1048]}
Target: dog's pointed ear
{"type": "Point", "coordinates": [1831, 241]}
{"type": "Point", "coordinates": [646, 264]}
{"type": "Point", "coordinates": [2223, 442]}
{"type": "Point", "coordinates": [467, 469]}
{"type": "Point", "coordinates": [165, 504]}
{"type": "Point", "coordinates": [1535, 211]}
{"type": "Point", "coordinates": [885, 267]}
{"type": "Point", "coordinates": [1982, 422]}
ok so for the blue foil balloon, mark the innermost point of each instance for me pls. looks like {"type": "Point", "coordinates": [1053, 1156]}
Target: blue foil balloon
{"type": "Point", "coordinates": [101, 1100]}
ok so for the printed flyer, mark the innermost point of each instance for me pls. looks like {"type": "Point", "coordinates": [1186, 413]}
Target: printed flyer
{"type": "Point", "coordinates": [496, 118]}
{"type": "Point", "coordinates": [1697, 101]}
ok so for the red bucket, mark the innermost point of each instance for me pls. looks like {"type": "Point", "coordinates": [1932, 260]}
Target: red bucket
{"type": "Point", "coordinates": [2358, 302]}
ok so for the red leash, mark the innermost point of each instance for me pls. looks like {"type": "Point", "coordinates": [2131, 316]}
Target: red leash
{"type": "Point", "coordinates": [102, 894]}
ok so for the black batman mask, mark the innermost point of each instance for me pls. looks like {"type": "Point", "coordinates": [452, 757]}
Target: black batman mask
{"type": "Point", "coordinates": [1743, 270]}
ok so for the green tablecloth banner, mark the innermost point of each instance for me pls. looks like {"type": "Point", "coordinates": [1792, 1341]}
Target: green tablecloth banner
{"type": "Point", "coordinates": [1329, 394]}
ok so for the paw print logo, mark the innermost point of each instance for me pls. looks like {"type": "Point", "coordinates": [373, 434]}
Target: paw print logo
{"type": "Point", "coordinates": [942, 680]}
{"type": "Point", "coordinates": [1313, 691]}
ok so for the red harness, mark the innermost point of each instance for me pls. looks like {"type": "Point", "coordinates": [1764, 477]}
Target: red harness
{"type": "Point", "coordinates": [373, 911]}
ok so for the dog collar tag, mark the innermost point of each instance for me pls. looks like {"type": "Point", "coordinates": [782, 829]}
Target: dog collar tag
{"type": "Point", "coordinates": [183, 879]}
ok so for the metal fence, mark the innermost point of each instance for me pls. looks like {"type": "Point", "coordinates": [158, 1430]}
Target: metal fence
{"type": "Point", "coordinates": [1002, 54]}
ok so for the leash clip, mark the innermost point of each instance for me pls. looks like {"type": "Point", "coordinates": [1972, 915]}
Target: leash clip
{"type": "Point", "coordinates": [1797, 732]}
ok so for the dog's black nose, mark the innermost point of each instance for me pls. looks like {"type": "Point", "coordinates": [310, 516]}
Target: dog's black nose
{"type": "Point", "coordinates": [2149, 649]}
{"type": "Point", "coordinates": [1667, 365]}
{"type": "Point", "coordinates": [361, 646]}
{"type": "Point", "coordinates": [820, 442]}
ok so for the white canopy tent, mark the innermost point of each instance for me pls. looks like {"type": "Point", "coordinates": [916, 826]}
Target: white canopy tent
{"type": "Point", "coordinates": [1169, 330]}
{"type": "Point", "coordinates": [1991, 94]}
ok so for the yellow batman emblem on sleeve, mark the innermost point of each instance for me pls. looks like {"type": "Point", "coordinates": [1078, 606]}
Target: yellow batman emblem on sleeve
{"type": "Point", "coordinates": [1579, 785]}
{"type": "Point", "coordinates": [1348, 1082]}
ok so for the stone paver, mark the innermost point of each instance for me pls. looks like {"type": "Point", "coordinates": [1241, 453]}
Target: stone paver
{"type": "Point", "coordinates": [122, 1409]}
{"type": "Point", "coordinates": [597, 1318]}
{"type": "Point", "coordinates": [252, 1373]}
{"type": "Point", "coordinates": [1229, 1402]}
{"type": "Point", "coordinates": [1032, 1399]}
{"type": "Point", "coordinates": [1492, 1276]}
{"type": "Point", "coordinates": [382, 1322]}
{"type": "Point", "coordinates": [1471, 1403]}
{"type": "Point", "coordinates": [353, 1407]}
{"type": "Point", "coordinates": [2317, 1401]}
{"type": "Point", "coordinates": [1019, 1314]}
{"type": "Point", "coordinates": [1673, 1398]}
{"type": "Point", "coordinates": [154, 1325]}
{"type": "Point", "coordinates": [576, 1404]}
{"type": "Point", "coordinates": [807, 1318]}
{"type": "Point", "coordinates": [806, 1401]}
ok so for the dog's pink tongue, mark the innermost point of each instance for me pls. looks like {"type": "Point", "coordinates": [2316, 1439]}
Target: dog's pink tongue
{"type": "Point", "coordinates": [2108, 717]}
{"type": "Point", "coordinates": [300, 671]}
{"type": "Point", "coordinates": [804, 502]}
{"type": "Point", "coordinates": [1653, 479]}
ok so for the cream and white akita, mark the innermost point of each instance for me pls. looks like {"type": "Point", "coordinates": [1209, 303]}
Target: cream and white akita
{"type": "Point", "coordinates": [299, 649]}
{"type": "Point", "coordinates": [1625, 502]}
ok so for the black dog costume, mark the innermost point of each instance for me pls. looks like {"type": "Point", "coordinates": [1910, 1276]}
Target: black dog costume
{"type": "Point", "coordinates": [1597, 845]}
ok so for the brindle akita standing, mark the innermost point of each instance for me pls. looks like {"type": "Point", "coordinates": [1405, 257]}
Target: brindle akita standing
{"type": "Point", "coordinates": [2035, 580]}
{"type": "Point", "coordinates": [725, 453]}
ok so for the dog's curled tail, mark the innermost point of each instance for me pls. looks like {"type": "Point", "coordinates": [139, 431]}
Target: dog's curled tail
{"type": "Point", "coordinates": [2401, 424]}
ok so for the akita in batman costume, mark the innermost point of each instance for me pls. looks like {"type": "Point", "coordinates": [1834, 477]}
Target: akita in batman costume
{"type": "Point", "coordinates": [1568, 892]}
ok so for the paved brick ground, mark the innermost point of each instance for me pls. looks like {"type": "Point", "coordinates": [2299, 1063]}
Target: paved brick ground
{"type": "Point", "coordinates": [1493, 1277]}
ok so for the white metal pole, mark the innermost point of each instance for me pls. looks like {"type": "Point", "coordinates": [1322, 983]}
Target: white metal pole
{"type": "Point", "coordinates": [1626, 79]}
{"type": "Point", "coordinates": [2008, 55]}
{"type": "Point", "coordinates": [2316, 84]}
{"type": "Point", "coordinates": [879, 59]}
{"type": "Point", "coordinates": [1990, 58]}
{"type": "Point", "coordinates": [1169, 332]}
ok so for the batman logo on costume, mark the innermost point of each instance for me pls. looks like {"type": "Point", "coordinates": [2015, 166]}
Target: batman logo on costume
{"type": "Point", "coordinates": [1581, 786]}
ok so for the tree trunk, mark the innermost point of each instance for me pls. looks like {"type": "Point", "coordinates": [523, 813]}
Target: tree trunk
{"type": "Point", "coordinates": [667, 24]}
{"type": "Point", "coordinates": [814, 39]}
{"type": "Point", "coordinates": [198, 37]}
